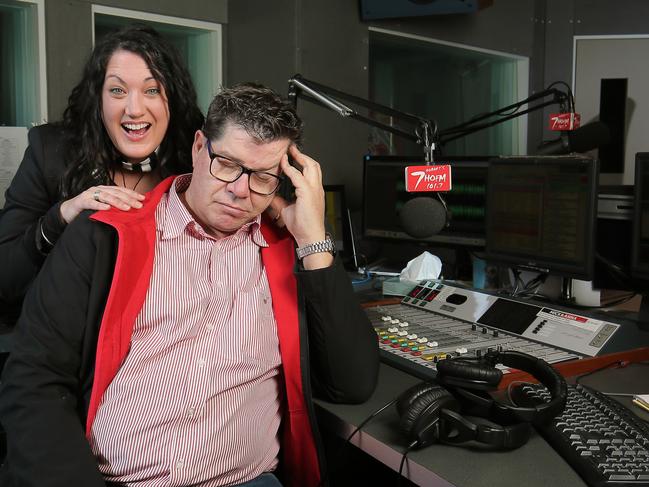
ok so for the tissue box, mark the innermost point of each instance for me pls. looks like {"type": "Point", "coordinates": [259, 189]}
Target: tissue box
{"type": "Point", "coordinates": [394, 286]}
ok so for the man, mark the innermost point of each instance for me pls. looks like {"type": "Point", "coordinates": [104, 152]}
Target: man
{"type": "Point", "coordinates": [179, 344]}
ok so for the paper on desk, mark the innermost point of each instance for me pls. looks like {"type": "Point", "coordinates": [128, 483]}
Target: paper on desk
{"type": "Point", "coordinates": [13, 142]}
{"type": "Point", "coordinates": [424, 266]}
{"type": "Point", "coordinates": [642, 400]}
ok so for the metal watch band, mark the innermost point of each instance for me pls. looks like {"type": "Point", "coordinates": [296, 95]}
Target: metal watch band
{"type": "Point", "coordinates": [326, 245]}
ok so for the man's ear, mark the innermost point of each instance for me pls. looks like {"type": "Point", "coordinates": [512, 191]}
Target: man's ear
{"type": "Point", "coordinates": [197, 146]}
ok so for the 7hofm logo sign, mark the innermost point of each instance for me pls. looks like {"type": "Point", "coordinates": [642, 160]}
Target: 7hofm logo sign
{"type": "Point", "coordinates": [436, 177]}
{"type": "Point", "coordinates": [564, 121]}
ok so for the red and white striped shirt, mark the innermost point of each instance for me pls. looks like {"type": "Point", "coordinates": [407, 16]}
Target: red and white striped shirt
{"type": "Point", "coordinates": [196, 401]}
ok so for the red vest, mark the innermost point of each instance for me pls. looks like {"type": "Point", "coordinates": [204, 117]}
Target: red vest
{"type": "Point", "coordinates": [136, 231]}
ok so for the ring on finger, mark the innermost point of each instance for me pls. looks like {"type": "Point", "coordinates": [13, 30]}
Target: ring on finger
{"type": "Point", "coordinates": [95, 195]}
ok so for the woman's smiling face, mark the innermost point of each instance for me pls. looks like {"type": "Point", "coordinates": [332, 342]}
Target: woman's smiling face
{"type": "Point", "coordinates": [135, 110]}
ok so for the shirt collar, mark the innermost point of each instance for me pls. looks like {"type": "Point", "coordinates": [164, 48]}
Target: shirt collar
{"type": "Point", "coordinates": [174, 218]}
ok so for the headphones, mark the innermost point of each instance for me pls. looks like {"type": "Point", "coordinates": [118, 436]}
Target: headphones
{"type": "Point", "coordinates": [431, 413]}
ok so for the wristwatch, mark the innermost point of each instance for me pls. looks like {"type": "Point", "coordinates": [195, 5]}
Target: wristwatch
{"type": "Point", "coordinates": [326, 245]}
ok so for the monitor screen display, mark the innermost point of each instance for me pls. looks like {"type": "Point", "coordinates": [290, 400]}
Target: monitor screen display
{"type": "Point", "coordinates": [541, 214]}
{"type": "Point", "coordinates": [384, 195]}
{"type": "Point", "coordinates": [640, 251]}
{"type": "Point", "coordinates": [336, 216]}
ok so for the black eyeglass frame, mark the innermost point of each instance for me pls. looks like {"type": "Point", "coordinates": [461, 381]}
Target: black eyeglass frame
{"type": "Point", "coordinates": [243, 170]}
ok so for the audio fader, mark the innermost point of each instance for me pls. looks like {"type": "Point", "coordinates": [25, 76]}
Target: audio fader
{"type": "Point", "coordinates": [436, 320]}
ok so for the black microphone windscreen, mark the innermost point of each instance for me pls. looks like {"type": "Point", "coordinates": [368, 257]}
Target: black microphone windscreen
{"type": "Point", "coordinates": [423, 216]}
{"type": "Point", "coordinates": [585, 138]}
{"type": "Point", "coordinates": [589, 136]}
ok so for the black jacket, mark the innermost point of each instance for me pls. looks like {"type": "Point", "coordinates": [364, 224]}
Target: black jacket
{"type": "Point", "coordinates": [33, 193]}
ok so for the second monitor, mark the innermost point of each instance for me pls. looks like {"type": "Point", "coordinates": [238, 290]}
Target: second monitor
{"type": "Point", "coordinates": [541, 214]}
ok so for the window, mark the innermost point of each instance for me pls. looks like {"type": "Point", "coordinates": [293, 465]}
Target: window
{"type": "Point", "coordinates": [23, 101]}
{"type": "Point", "coordinates": [198, 42]}
{"type": "Point", "coordinates": [449, 84]}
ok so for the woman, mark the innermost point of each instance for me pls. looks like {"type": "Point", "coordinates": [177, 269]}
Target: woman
{"type": "Point", "coordinates": [129, 123]}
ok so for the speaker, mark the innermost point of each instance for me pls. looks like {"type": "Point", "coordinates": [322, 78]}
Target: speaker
{"type": "Point", "coordinates": [613, 113]}
{"type": "Point", "coordinates": [444, 411]}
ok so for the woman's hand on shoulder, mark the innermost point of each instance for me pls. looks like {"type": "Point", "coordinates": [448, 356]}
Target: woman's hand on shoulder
{"type": "Point", "coordinates": [101, 198]}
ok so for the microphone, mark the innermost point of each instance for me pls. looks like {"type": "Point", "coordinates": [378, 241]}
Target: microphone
{"type": "Point", "coordinates": [583, 139]}
{"type": "Point", "coordinates": [423, 216]}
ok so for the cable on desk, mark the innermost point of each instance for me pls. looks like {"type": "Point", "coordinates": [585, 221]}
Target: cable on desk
{"type": "Point", "coordinates": [370, 417]}
{"type": "Point", "coordinates": [403, 460]}
{"type": "Point", "coordinates": [349, 438]}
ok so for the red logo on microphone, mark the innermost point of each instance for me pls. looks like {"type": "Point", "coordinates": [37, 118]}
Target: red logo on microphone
{"type": "Point", "coordinates": [564, 121]}
{"type": "Point", "coordinates": [436, 177]}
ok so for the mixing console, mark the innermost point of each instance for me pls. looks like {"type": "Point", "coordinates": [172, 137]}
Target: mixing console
{"type": "Point", "coordinates": [436, 320]}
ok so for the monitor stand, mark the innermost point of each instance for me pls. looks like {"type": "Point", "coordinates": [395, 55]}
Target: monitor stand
{"type": "Point", "coordinates": [566, 296]}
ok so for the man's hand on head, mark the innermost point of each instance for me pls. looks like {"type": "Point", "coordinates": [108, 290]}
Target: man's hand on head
{"type": "Point", "coordinates": [304, 218]}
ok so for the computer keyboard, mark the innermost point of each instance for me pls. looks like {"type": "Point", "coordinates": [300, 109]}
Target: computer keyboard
{"type": "Point", "coordinates": [601, 439]}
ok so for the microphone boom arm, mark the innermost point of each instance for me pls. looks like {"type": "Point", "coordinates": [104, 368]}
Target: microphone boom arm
{"type": "Point", "coordinates": [425, 133]}
{"type": "Point", "coordinates": [471, 126]}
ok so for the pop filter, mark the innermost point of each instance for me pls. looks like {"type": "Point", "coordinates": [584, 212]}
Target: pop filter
{"type": "Point", "coordinates": [423, 216]}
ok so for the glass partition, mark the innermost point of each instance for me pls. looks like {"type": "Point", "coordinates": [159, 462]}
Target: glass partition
{"type": "Point", "coordinates": [450, 84]}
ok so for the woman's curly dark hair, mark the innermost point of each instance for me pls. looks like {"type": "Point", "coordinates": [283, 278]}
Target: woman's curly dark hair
{"type": "Point", "coordinates": [89, 152]}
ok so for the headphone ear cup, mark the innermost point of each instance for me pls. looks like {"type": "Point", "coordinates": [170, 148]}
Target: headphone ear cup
{"type": "Point", "coordinates": [470, 376]}
{"type": "Point", "coordinates": [419, 418]}
{"type": "Point", "coordinates": [411, 394]}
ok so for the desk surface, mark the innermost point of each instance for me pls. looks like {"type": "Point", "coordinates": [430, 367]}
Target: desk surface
{"type": "Point", "coordinates": [535, 464]}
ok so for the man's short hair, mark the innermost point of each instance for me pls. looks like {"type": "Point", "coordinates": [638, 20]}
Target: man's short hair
{"type": "Point", "coordinates": [260, 111]}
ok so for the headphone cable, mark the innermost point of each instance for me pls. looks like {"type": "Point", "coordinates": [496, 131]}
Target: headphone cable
{"type": "Point", "coordinates": [403, 461]}
{"type": "Point", "coordinates": [348, 440]}
{"type": "Point", "coordinates": [370, 417]}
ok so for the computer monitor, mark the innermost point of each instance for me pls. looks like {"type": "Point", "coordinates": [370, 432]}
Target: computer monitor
{"type": "Point", "coordinates": [336, 217]}
{"type": "Point", "coordinates": [541, 214]}
{"type": "Point", "coordinates": [640, 250]}
{"type": "Point", "coordinates": [384, 194]}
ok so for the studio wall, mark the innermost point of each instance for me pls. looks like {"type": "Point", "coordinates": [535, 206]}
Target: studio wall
{"type": "Point", "coordinates": [328, 42]}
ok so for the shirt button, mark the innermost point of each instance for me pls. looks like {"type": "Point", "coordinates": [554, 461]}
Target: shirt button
{"type": "Point", "coordinates": [202, 363]}
{"type": "Point", "coordinates": [180, 462]}
{"type": "Point", "coordinates": [210, 326]}
{"type": "Point", "coordinates": [191, 412]}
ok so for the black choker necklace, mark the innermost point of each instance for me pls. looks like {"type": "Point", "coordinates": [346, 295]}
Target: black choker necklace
{"type": "Point", "coordinates": [147, 165]}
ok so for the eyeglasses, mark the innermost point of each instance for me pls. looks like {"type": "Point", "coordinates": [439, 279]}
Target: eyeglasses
{"type": "Point", "coordinates": [228, 171]}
